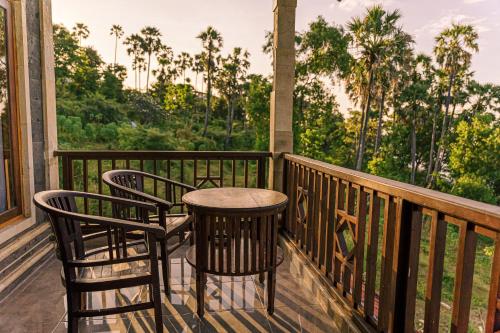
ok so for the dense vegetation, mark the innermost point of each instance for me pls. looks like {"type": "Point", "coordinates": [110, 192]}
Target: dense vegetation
{"type": "Point", "coordinates": [419, 118]}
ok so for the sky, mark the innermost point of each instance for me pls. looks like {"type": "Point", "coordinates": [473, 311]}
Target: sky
{"type": "Point", "coordinates": [243, 23]}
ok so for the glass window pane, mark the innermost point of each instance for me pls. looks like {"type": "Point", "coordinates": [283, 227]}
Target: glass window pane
{"type": "Point", "coordinates": [7, 185]}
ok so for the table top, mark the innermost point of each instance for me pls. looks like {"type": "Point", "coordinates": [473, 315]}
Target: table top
{"type": "Point", "coordinates": [235, 199]}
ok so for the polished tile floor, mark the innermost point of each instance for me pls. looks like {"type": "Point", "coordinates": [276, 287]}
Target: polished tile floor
{"type": "Point", "coordinates": [232, 305]}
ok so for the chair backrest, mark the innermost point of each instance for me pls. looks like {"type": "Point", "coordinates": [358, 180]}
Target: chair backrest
{"type": "Point", "coordinates": [117, 179]}
{"type": "Point", "coordinates": [67, 230]}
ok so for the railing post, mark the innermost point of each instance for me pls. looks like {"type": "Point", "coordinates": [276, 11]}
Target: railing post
{"type": "Point", "coordinates": [281, 134]}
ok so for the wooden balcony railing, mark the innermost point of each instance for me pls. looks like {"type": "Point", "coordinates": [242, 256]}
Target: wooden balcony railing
{"type": "Point", "coordinates": [369, 236]}
{"type": "Point", "coordinates": [82, 170]}
{"type": "Point", "coordinates": [403, 258]}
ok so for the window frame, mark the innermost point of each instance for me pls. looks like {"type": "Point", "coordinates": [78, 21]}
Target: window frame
{"type": "Point", "coordinates": [17, 210]}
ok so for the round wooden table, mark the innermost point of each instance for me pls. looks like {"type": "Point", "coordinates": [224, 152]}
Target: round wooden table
{"type": "Point", "coordinates": [236, 233]}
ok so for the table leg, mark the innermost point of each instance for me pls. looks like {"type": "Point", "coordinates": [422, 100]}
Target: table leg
{"type": "Point", "coordinates": [271, 288]}
{"type": "Point", "coordinates": [200, 291]}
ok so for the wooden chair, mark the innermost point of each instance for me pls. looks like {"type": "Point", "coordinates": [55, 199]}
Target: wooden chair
{"type": "Point", "coordinates": [81, 261]}
{"type": "Point", "coordinates": [131, 184]}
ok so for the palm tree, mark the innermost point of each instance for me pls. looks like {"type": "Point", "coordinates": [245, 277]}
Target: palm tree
{"type": "Point", "coordinates": [81, 31]}
{"type": "Point", "coordinates": [151, 45]}
{"type": "Point", "coordinates": [117, 31]}
{"type": "Point", "coordinates": [165, 59]}
{"type": "Point", "coordinates": [230, 83]}
{"type": "Point", "coordinates": [392, 67]}
{"type": "Point", "coordinates": [197, 69]}
{"type": "Point", "coordinates": [372, 38]}
{"type": "Point", "coordinates": [212, 43]}
{"type": "Point", "coordinates": [134, 43]}
{"type": "Point", "coordinates": [453, 51]}
{"type": "Point", "coordinates": [184, 61]}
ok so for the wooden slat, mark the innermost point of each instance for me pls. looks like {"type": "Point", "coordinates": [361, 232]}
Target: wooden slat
{"type": "Point", "coordinates": [435, 272]}
{"type": "Point", "coordinates": [322, 230]}
{"type": "Point", "coordinates": [386, 301]}
{"type": "Point", "coordinates": [310, 212]}
{"type": "Point", "coordinates": [246, 173]}
{"type": "Point", "coordinates": [212, 223]}
{"type": "Point", "coordinates": [99, 182]}
{"type": "Point", "coordinates": [493, 316]}
{"type": "Point", "coordinates": [237, 243]}
{"type": "Point", "coordinates": [246, 244]}
{"type": "Point", "coordinates": [413, 262]}
{"type": "Point", "coordinates": [330, 227]}
{"type": "Point", "coordinates": [463, 278]}
{"type": "Point", "coordinates": [372, 252]}
{"type": "Point", "coordinates": [315, 227]}
{"type": "Point", "coordinates": [85, 183]}
{"type": "Point", "coordinates": [233, 171]}
{"type": "Point", "coordinates": [254, 244]}
{"type": "Point", "coordinates": [360, 246]}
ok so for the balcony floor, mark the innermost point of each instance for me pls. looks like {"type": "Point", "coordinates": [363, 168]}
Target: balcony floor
{"type": "Point", "coordinates": [232, 304]}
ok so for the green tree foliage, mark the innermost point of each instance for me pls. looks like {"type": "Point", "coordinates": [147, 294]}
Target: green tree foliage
{"type": "Point", "coordinates": [475, 159]}
{"type": "Point", "coordinates": [412, 111]}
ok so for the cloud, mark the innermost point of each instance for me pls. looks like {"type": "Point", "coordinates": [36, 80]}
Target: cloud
{"type": "Point", "coordinates": [435, 27]}
{"type": "Point", "coordinates": [473, 1]}
{"type": "Point", "coordinates": [350, 5]}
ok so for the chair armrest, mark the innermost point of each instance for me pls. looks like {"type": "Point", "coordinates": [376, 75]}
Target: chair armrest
{"type": "Point", "coordinates": [153, 229]}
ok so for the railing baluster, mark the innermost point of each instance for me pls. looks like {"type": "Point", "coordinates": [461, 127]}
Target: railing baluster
{"type": "Point", "coordinates": [85, 184]}
{"type": "Point", "coordinates": [99, 182]}
{"type": "Point", "coordinates": [372, 253]}
{"type": "Point", "coordinates": [413, 261]}
{"type": "Point", "coordinates": [323, 220]}
{"type": "Point", "coordinates": [387, 256]}
{"type": "Point", "coordinates": [315, 227]}
{"type": "Point", "coordinates": [435, 272]}
{"type": "Point", "coordinates": [463, 279]}
{"type": "Point", "coordinates": [330, 226]}
{"type": "Point", "coordinates": [360, 246]}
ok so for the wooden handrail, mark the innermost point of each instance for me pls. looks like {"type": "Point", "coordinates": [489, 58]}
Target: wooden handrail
{"type": "Point", "coordinates": [480, 213]}
{"type": "Point", "coordinates": [160, 154]}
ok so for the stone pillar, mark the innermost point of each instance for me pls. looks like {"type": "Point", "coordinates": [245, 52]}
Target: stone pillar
{"type": "Point", "coordinates": [281, 134]}
{"type": "Point", "coordinates": [49, 94]}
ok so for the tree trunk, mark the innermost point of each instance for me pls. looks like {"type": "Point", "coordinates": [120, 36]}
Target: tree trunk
{"type": "Point", "coordinates": [147, 77]}
{"type": "Point", "coordinates": [364, 126]}
{"type": "Point", "coordinates": [379, 124]}
{"type": "Point", "coordinates": [116, 47]}
{"type": "Point", "coordinates": [413, 145]}
{"type": "Point", "coordinates": [444, 130]}
{"type": "Point", "coordinates": [433, 138]}
{"type": "Point", "coordinates": [209, 92]}
{"type": "Point", "coordinates": [229, 125]}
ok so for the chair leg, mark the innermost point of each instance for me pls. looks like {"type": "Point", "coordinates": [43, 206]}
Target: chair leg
{"type": "Point", "coordinates": [157, 308]}
{"type": "Point", "coordinates": [165, 266]}
{"type": "Point", "coordinates": [73, 300]}
{"type": "Point", "coordinates": [271, 288]}
{"type": "Point", "coordinates": [262, 277]}
{"type": "Point", "coordinates": [200, 292]}
{"type": "Point", "coordinates": [191, 238]}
